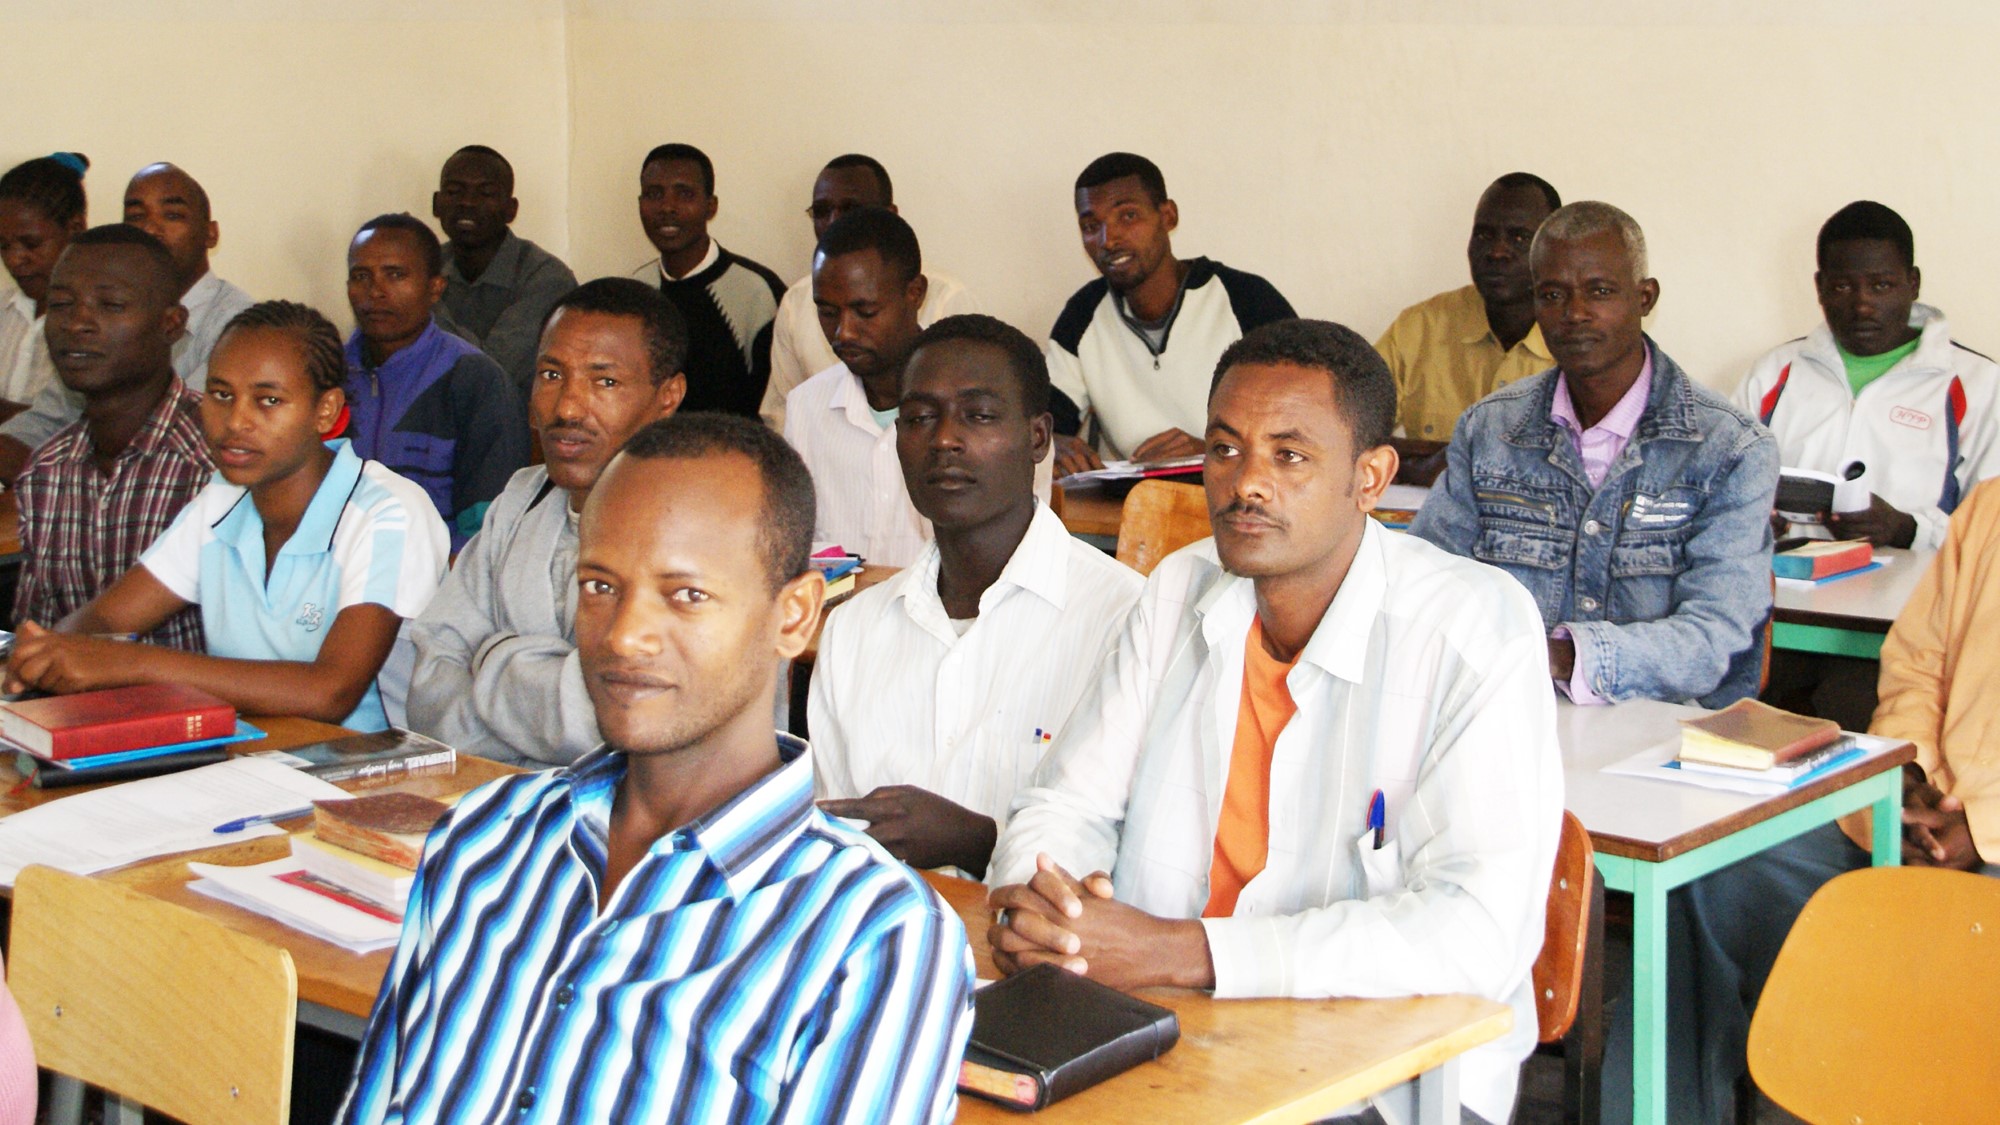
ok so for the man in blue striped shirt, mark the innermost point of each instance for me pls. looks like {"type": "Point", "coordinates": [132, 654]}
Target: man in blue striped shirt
{"type": "Point", "coordinates": [668, 930]}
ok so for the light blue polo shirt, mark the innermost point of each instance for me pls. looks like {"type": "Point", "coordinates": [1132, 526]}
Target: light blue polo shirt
{"type": "Point", "coordinates": [369, 536]}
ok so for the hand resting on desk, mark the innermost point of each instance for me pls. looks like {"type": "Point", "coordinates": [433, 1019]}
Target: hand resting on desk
{"type": "Point", "coordinates": [1056, 918]}
{"type": "Point", "coordinates": [921, 828]}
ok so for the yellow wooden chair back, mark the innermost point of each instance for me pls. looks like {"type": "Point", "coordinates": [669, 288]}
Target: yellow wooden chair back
{"type": "Point", "coordinates": [153, 1002]}
{"type": "Point", "coordinates": [1884, 1004]}
{"type": "Point", "coordinates": [1159, 518]}
{"type": "Point", "coordinates": [1558, 971]}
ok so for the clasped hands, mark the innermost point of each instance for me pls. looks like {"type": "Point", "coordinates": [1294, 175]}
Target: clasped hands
{"type": "Point", "coordinates": [1058, 919]}
{"type": "Point", "coordinates": [61, 662]}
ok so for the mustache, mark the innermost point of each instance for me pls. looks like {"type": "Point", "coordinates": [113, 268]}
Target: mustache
{"type": "Point", "coordinates": [1244, 508]}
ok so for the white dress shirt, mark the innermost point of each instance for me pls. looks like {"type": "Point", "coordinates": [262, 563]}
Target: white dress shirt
{"type": "Point", "coordinates": [25, 366]}
{"type": "Point", "coordinates": [798, 344]}
{"type": "Point", "coordinates": [899, 698]}
{"type": "Point", "coordinates": [863, 504]}
{"type": "Point", "coordinates": [1428, 680]}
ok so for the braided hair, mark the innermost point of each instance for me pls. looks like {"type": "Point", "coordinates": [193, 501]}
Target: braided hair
{"type": "Point", "coordinates": [326, 357]}
{"type": "Point", "coordinates": [52, 185]}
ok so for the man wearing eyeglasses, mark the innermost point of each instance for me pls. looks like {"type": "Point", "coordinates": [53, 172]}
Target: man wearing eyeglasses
{"type": "Point", "coordinates": [799, 348]}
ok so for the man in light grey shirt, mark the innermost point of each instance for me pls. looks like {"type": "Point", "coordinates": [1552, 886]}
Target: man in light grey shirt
{"type": "Point", "coordinates": [496, 670]}
{"type": "Point", "coordinates": [168, 204]}
{"type": "Point", "coordinates": [498, 287]}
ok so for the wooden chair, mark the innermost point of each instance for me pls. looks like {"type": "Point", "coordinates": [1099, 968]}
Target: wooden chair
{"type": "Point", "coordinates": [155, 1003]}
{"type": "Point", "coordinates": [1569, 973]}
{"type": "Point", "coordinates": [1159, 518]}
{"type": "Point", "coordinates": [1884, 1003]}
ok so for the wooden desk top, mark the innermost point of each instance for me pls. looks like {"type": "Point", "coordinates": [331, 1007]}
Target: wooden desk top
{"type": "Point", "coordinates": [10, 526]}
{"type": "Point", "coordinates": [1865, 603]}
{"type": "Point", "coordinates": [1089, 511]}
{"type": "Point", "coordinates": [328, 975]}
{"type": "Point", "coordinates": [1255, 1060]}
{"type": "Point", "coordinates": [866, 577]}
{"type": "Point", "coordinates": [1655, 821]}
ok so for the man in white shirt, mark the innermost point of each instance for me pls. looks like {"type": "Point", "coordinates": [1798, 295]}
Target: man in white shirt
{"type": "Point", "coordinates": [799, 349]}
{"type": "Point", "coordinates": [1271, 686]}
{"type": "Point", "coordinates": [936, 691]}
{"type": "Point", "coordinates": [168, 204]}
{"type": "Point", "coordinates": [1880, 389]}
{"type": "Point", "coordinates": [868, 283]}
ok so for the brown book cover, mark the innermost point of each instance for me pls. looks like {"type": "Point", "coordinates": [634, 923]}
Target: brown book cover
{"type": "Point", "coordinates": [115, 720]}
{"type": "Point", "coordinates": [1760, 731]}
{"type": "Point", "coordinates": [387, 826]}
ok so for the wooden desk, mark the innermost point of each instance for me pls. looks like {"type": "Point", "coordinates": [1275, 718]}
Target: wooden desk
{"type": "Point", "coordinates": [1850, 616]}
{"type": "Point", "coordinates": [336, 988]}
{"type": "Point", "coordinates": [10, 526]}
{"type": "Point", "coordinates": [1263, 1061]}
{"type": "Point", "coordinates": [1089, 511]}
{"type": "Point", "coordinates": [1653, 836]}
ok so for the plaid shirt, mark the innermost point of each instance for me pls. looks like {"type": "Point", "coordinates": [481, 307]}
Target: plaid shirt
{"type": "Point", "coordinates": [81, 530]}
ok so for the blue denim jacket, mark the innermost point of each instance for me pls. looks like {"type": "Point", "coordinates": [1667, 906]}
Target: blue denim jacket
{"type": "Point", "coordinates": [1663, 574]}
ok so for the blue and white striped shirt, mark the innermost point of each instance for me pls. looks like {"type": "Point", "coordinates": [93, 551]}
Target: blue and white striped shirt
{"type": "Point", "coordinates": [763, 963]}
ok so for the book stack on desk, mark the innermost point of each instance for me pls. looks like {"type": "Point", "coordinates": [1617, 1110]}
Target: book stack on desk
{"type": "Point", "coordinates": [119, 734]}
{"type": "Point", "coordinates": [366, 848]}
{"type": "Point", "coordinates": [1823, 560]}
{"type": "Point", "coordinates": [840, 570]}
{"type": "Point", "coordinates": [1755, 741]}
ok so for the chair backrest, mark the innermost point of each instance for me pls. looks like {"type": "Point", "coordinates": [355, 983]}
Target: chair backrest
{"type": "Point", "coordinates": [153, 1001]}
{"type": "Point", "coordinates": [1558, 972]}
{"type": "Point", "coordinates": [1884, 1003]}
{"type": "Point", "coordinates": [1159, 518]}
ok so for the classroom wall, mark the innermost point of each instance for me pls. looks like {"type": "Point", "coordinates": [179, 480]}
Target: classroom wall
{"type": "Point", "coordinates": [302, 118]}
{"type": "Point", "coordinates": [1335, 147]}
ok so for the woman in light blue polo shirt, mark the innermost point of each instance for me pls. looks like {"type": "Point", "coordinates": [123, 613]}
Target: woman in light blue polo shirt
{"type": "Point", "coordinates": [304, 559]}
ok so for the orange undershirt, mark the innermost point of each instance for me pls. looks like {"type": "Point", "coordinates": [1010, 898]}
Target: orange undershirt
{"type": "Point", "coordinates": [1243, 834]}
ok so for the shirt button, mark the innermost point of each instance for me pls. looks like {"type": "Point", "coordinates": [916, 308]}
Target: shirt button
{"type": "Point", "coordinates": [1589, 604]}
{"type": "Point", "coordinates": [1592, 527]}
{"type": "Point", "coordinates": [564, 995]}
{"type": "Point", "coordinates": [526, 1101]}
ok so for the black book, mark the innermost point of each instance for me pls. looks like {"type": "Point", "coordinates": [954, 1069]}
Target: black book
{"type": "Point", "coordinates": [44, 776]}
{"type": "Point", "coordinates": [1041, 1035]}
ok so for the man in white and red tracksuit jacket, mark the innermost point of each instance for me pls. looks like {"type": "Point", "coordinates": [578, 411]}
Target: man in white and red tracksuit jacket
{"type": "Point", "coordinates": [1880, 384]}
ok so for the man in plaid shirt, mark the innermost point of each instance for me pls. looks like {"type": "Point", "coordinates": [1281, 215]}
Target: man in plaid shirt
{"type": "Point", "coordinates": [99, 491]}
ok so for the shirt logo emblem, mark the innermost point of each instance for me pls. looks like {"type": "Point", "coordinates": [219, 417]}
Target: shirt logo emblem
{"type": "Point", "coordinates": [1915, 419]}
{"type": "Point", "coordinates": [311, 617]}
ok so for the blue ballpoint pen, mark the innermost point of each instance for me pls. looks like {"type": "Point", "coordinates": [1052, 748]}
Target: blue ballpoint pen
{"type": "Point", "coordinates": [240, 823]}
{"type": "Point", "coordinates": [1378, 817]}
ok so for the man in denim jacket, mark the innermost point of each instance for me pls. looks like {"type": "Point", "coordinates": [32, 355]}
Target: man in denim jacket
{"type": "Point", "coordinates": [1632, 503]}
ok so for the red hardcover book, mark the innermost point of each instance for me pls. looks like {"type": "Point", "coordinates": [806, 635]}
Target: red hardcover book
{"type": "Point", "coordinates": [115, 720]}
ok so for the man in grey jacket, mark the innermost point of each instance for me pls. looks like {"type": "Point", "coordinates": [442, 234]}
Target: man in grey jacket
{"type": "Point", "coordinates": [496, 665]}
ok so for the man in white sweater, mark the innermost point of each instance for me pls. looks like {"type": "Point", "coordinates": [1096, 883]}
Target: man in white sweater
{"type": "Point", "coordinates": [496, 666]}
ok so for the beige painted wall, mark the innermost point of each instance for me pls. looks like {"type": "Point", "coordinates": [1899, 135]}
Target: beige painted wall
{"type": "Point", "coordinates": [301, 119]}
{"type": "Point", "coordinates": [1335, 148]}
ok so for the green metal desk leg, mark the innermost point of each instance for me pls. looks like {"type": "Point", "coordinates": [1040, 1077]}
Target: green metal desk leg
{"type": "Point", "coordinates": [1888, 828]}
{"type": "Point", "coordinates": [1649, 995]}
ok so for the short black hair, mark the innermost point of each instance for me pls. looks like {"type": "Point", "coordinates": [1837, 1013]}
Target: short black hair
{"type": "Point", "coordinates": [1363, 389]}
{"type": "Point", "coordinates": [683, 152]}
{"type": "Point", "coordinates": [857, 160]}
{"type": "Point", "coordinates": [1530, 180]}
{"type": "Point", "coordinates": [326, 360]}
{"type": "Point", "coordinates": [1024, 359]}
{"type": "Point", "coordinates": [878, 229]}
{"type": "Point", "coordinates": [166, 275]}
{"type": "Point", "coordinates": [666, 332]}
{"type": "Point", "coordinates": [1867, 219]}
{"type": "Point", "coordinates": [1118, 165]}
{"type": "Point", "coordinates": [493, 153]}
{"type": "Point", "coordinates": [52, 185]}
{"type": "Point", "coordinates": [789, 510]}
{"type": "Point", "coordinates": [427, 239]}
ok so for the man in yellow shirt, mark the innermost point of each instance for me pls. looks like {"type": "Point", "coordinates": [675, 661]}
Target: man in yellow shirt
{"type": "Point", "coordinates": [1460, 346]}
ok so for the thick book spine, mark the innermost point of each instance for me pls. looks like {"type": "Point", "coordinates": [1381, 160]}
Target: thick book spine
{"type": "Point", "coordinates": [383, 767]}
{"type": "Point", "coordinates": [47, 778]}
{"type": "Point", "coordinates": [141, 732]}
{"type": "Point", "coordinates": [1109, 1060]}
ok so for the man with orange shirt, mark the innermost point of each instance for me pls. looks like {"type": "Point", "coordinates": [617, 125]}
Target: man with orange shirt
{"type": "Point", "coordinates": [1305, 770]}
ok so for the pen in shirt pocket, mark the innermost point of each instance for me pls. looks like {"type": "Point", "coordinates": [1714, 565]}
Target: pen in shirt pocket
{"type": "Point", "coordinates": [1043, 736]}
{"type": "Point", "coordinates": [1378, 817]}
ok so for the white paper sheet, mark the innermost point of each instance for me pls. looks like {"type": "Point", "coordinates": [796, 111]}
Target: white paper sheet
{"type": "Point", "coordinates": [154, 816]}
{"type": "Point", "coordinates": [256, 888]}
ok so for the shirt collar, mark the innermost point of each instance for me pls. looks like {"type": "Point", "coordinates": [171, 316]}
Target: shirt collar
{"type": "Point", "coordinates": [152, 432]}
{"type": "Point", "coordinates": [741, 838]}
{"type": "Point", "coordinates": [1622, 419]}
{"type": "Point", "coordinates": [1479, 330]}
{"type": "Point", "coordinates": [202, 293]}
{"type": "Point", "coordinates": [850, 399]}
{"type": "Point", "coordinates": [1039, 565]}
{"type": "Point", "coordinates": [713, 256]}
{"type": "Point", "coordinates": [1338, 643]}
{"type": "Point", "coordinates": [503, 272]}
{"type": "Point", "coordinates": [23, 304]}
{"type": "Point", "coordinates": [243, 529]}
